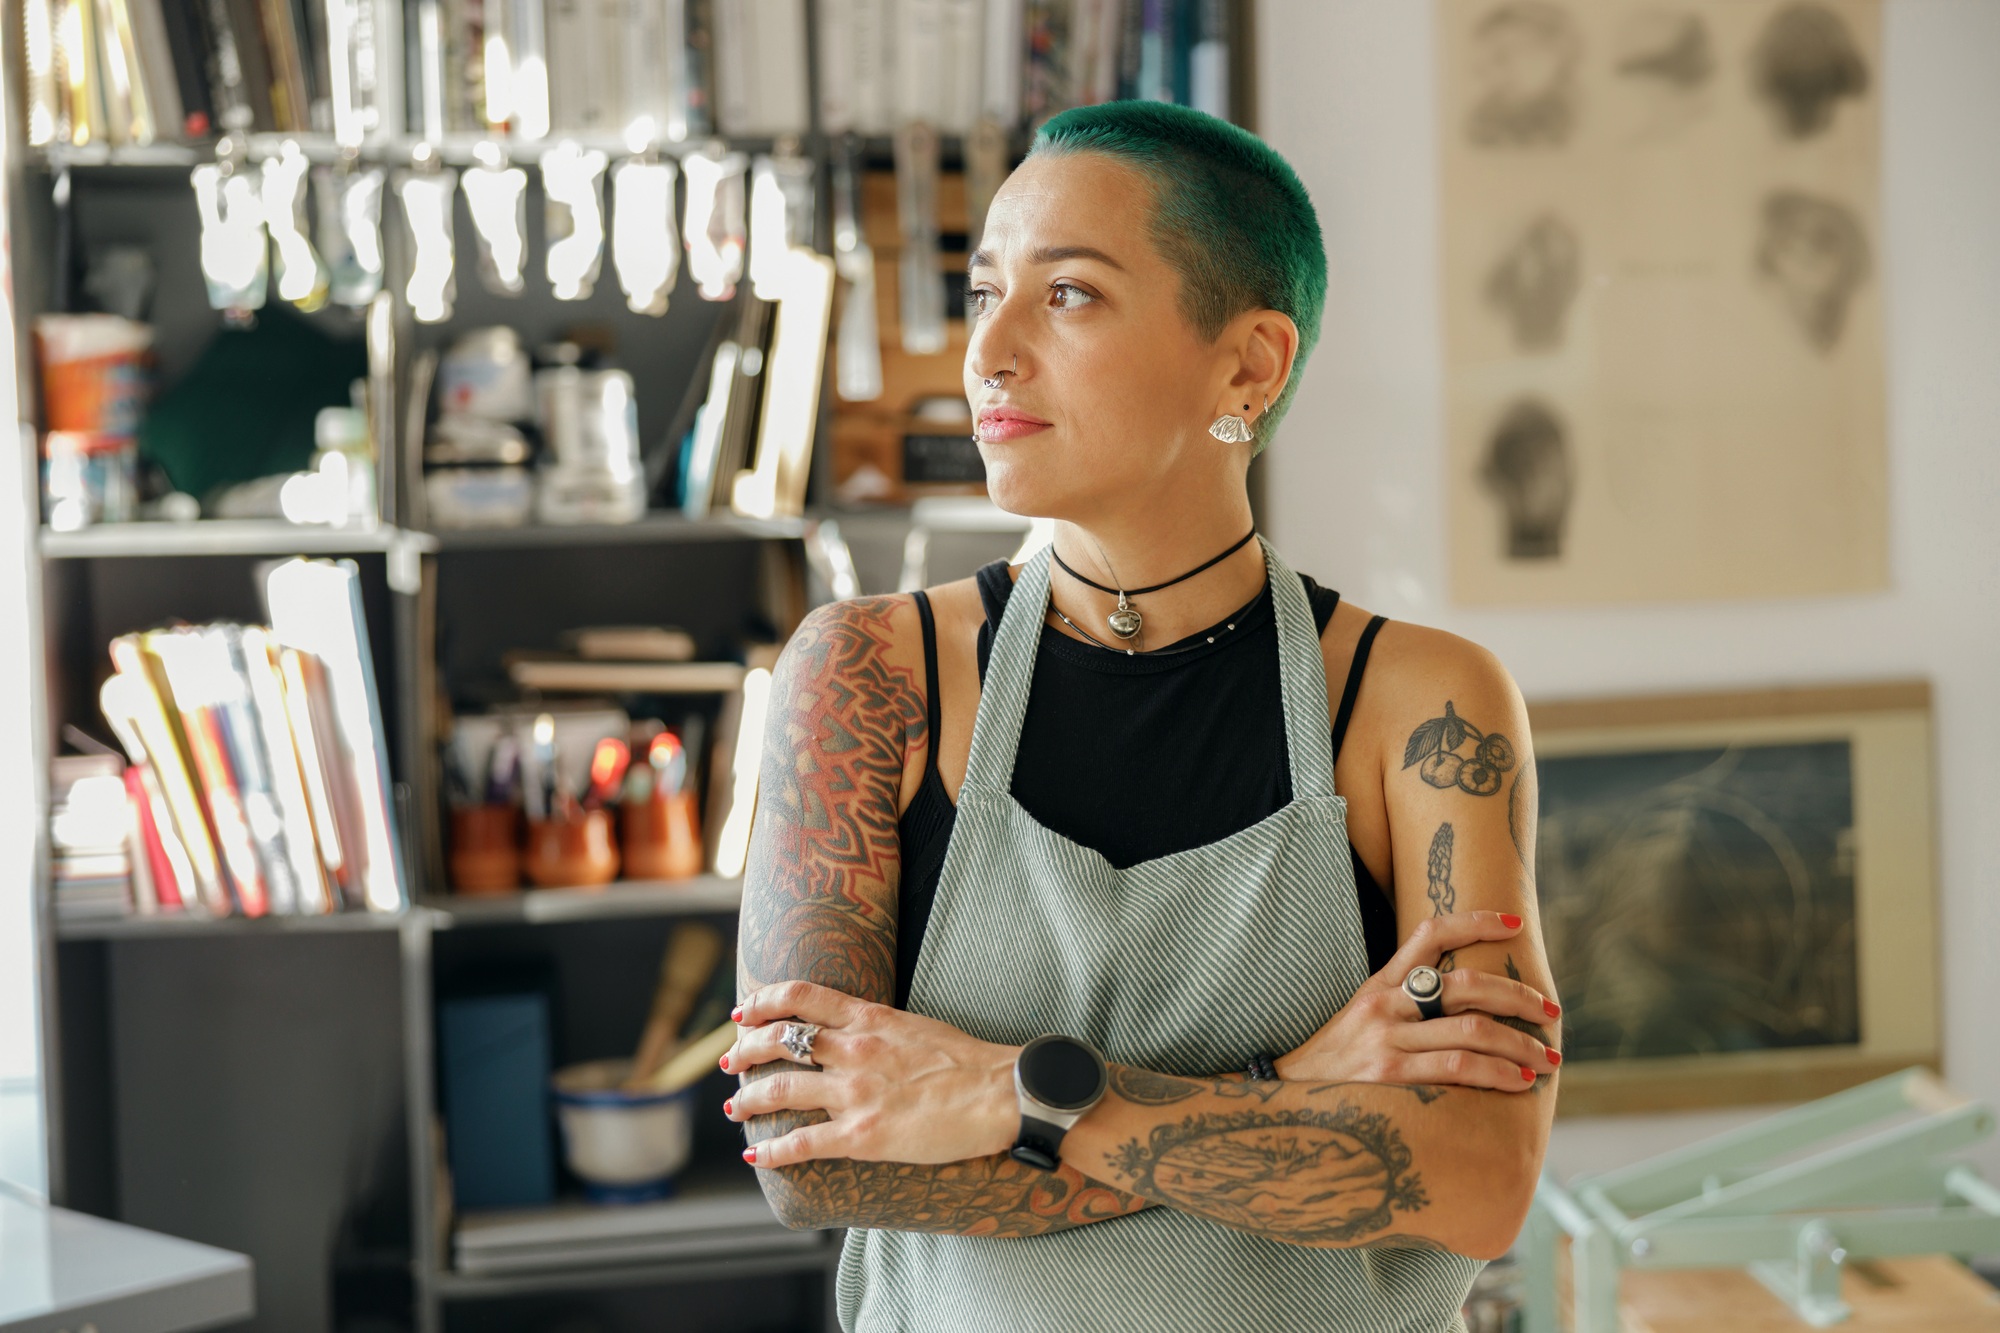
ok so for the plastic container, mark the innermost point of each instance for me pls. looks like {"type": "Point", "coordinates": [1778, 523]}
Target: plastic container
{"type": "Point", "coordinates": [480, 497]}
{"type": "Point", "coordinates": [626, 1147]}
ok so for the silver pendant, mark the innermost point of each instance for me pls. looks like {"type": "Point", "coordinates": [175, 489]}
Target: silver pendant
{"type": "Point", "coordinates": [1126, 620]}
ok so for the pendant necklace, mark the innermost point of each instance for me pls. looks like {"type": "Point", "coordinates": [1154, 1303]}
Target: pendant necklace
{"type": "Point", "coordinates": [1125, 621]}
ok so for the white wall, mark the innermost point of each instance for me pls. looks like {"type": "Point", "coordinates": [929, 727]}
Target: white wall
{"type": "Point", "coordinates": [1347, 93]}
{"type": "Point", "coordinates": [22, 1156]}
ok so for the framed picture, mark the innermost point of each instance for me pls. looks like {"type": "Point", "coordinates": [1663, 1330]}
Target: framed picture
{"type": "Point", "coordinates": [1738, 893]}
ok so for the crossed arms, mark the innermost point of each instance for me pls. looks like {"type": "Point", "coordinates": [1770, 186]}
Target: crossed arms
{"type": "Point", "coordinates": [1314, 1161]}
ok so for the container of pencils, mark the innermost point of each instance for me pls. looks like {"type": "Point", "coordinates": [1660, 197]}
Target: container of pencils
{"type": "Point", "coordinates": [578, 847]}
{"type": "Point", "coordinates": [485, 848]}
{"type": "Point", "coordinates": [662, 819]}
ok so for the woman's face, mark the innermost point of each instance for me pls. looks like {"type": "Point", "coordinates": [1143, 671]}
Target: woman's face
{"type": "Point", "coordinates": [1115, 389]}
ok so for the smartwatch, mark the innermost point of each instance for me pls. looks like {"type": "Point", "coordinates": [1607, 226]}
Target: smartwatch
{"type": "Point", "coordinates": [1056, 1080]}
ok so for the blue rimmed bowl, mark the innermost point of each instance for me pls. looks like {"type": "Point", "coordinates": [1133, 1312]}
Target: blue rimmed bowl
{"type": "Point", "coordinates": [626, 1147]}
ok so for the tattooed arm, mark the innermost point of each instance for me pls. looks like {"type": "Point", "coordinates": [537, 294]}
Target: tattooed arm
{"type": "Point", "coordinates": [819, 904]}
{"type": "Point", "coordinates": [1314, 1161]}
{"type": "Point", "coordinates": [1336, 1165]}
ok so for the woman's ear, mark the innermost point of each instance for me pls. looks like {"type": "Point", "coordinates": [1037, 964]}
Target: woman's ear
{"type": "Point", "coordinates": [1265, 342]}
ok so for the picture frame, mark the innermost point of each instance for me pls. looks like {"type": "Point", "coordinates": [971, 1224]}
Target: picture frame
{"type": "Point", "coordinates": [1738, 892]}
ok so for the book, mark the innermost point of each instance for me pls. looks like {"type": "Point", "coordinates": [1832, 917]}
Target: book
{"type": "Point", "coordinates": [168, 877]}
{"type": "Point", "coordinates": [196, 688]}
{"type": "Point", "coordinates": [315, 606]}
{"type": "Point", "coordinates": [150, 732]}
{"type": "Point", "coordinates": [285, 58]}
{"type": "Point", "coordinates": [156, 67]}
{"type": "Point", "coordinates": [188, 45]}
{"type": "Point", "coordinates": [336, 813]}
{"type": "Point", "coordinates": [256, 654]}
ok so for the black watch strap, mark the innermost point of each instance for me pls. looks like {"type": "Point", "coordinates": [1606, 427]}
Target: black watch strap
{"type": "Point", "coordinates": [1039, 1144]}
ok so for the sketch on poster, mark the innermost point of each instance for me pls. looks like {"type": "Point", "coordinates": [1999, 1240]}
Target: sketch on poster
{"type": "Point", "coordinates": [1701, 901]}
{"type": "Point", "coordinates": [1535, 279]}
{"type": "Point", "coordinates": [1527, 469]}
{"type": "Point", "coordinates": [1815, 255]}
{"type": "Point", "coordinates": [1667, 312]}
{"type": "Point", "coordinates": [1524, 72]}
{"type": "Point", "coordinates": [1665, 63]}
{"type": "Point", "coordinates": [1806, 62]}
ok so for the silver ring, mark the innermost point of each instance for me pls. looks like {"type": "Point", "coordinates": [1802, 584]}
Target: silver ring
{"type": "Point", "coordinates": [797, 1038]}
{"type": "Point", "coordinates": [1425, 985]}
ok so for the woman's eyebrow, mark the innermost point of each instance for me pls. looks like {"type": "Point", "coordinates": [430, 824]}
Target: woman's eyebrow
{"type": "Point", "coordinates": [1048, 254]}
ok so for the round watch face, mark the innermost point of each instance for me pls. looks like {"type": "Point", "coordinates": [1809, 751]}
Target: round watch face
{"type": "Point", "coordinates": [1423, 982]}
{"type": "Point", "coordinates": [1062, 1072]}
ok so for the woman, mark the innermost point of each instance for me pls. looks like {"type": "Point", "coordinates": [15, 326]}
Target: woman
{"type": "Point", "coordinates": [1083, 1004]}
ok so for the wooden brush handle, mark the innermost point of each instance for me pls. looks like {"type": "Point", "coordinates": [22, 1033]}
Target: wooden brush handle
{"type": "Point", "coordinates": [692, 953]}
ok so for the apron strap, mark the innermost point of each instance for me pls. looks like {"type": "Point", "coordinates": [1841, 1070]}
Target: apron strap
{"type": "Point", "coordinates": [1003, 699]}
{"type": "Point", "coordinates": [1010, 668]}
{"type": "Point", "coordinates": [1302, 681]}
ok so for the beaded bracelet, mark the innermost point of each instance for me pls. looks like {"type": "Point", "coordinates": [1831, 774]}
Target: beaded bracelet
{"type": "Point", "coordinates": [1261, 1069]}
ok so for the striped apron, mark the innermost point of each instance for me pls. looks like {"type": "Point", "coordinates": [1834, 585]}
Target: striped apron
{"type": "Point", "coordinates": [1186, 964]}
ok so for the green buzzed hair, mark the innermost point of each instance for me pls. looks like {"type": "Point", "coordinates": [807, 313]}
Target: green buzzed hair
{"type": "Point", "coordinates": [1230, 216]}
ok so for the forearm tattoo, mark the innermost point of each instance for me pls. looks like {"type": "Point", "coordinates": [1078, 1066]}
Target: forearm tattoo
{"type": "Point", "coordinates": [983, 1196]}
{"type": "Point", "coordinates": [1334, 1177]}
{"type": "Point", "coordinates": [819, 895]}
{"type": "Point", "coordinates": [1444, 898]}
{"type": "Point", "coordinates": [1143, 1087]}
{"type": "Point", "coordinates": [1439, 746]}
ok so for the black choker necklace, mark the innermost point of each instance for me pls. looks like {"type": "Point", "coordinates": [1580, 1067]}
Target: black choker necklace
{"type": "Point", "coordinates": [1125, 621]}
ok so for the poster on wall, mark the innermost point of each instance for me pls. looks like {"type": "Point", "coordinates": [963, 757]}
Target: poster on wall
{"type": "Point", "coordinates": [1737, 892]}
{"type": "Point", "coordinates": [1661, 282]}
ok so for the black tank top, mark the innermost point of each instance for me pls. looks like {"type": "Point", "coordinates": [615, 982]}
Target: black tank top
{"type": "Point", "coordinates": [1137, 757]}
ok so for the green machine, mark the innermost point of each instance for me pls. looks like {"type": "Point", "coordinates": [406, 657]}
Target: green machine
{"type": "Point", "coordinates": [1863, 1174]}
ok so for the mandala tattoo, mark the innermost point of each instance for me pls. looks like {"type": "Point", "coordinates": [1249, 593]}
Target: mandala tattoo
{"type": "Point", "coordinates": [1439, 747]}
{"type": "Point", "coordinates": [1309, 1177]}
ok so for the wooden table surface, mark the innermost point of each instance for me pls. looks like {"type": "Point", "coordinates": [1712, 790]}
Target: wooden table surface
{"type": "Point", "coordinates": [1926, 1295]}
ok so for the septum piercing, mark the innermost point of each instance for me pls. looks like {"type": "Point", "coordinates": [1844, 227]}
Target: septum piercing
{"type": "Point", "coordinates": [994, 381]}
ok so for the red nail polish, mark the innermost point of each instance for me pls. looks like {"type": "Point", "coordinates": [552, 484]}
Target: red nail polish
{"type": "Point", "coordinates": [736, 1014]}
{"type": "Point", "coordinates": [724, 1064]}
{"type": "Point", "coordinates": [1555, 1056]}
{"type": "Point", "coordinates": [750, 1156]}
{"type": "Point", "coordinates": [1509, 920]}
{"type": "Point", "coordinates": [1527, 1074]}
{"type": "Point", "coordinates": [1552, 1009]}
{"type": "Point", "coordinates": [729, 1107]}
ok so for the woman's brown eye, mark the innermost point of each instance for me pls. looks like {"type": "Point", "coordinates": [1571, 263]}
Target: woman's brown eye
{"type": "Point", "coordinates": [1062, 289]}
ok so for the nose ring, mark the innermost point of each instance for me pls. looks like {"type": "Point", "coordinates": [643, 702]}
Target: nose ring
{"type": "Point", "coordinates": [993, 382]}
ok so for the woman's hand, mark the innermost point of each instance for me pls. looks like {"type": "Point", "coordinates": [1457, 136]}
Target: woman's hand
{"type": "Point", "coordinates": [1380, 1038]}
{"type": "Point", "coordinates": [895, 1086]}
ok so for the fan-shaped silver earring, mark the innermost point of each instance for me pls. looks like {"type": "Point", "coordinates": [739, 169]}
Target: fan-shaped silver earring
{"type": "Point", "coordinates": [1231, 429]}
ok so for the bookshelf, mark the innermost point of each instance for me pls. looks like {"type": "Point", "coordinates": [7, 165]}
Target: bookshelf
{"type": "Point", "coordinates": [271, 1085]}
